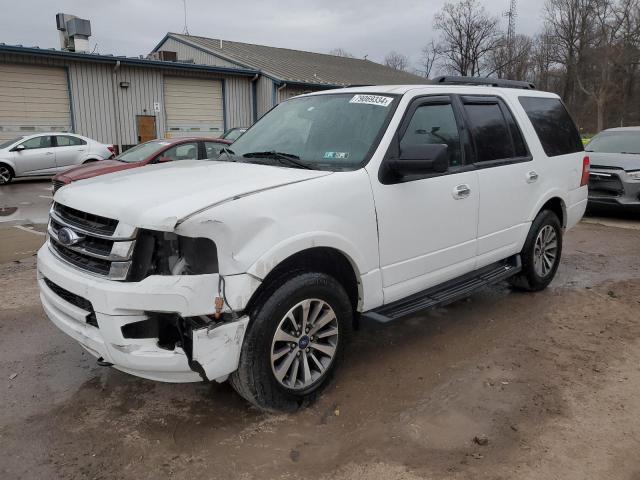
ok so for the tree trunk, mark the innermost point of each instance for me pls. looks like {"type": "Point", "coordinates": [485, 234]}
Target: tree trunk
{"type": "Point", "coordinates": [600, 114]}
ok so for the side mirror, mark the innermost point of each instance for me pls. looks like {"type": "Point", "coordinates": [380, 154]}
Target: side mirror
{"type": "Point", "coordinates": [421, 159]}
{"type": "Point", "coordinates": [164, 160]}
{"type": "Point", "coordinates": [19, 148]}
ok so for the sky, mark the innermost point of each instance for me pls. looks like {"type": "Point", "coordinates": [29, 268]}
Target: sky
{"type": "Point", "coordinates": [361, 27]}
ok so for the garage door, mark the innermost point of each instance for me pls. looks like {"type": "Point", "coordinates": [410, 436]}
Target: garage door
{"type": "Point", "coordinates": [193, 107]}
{"type": "Point", "coordinates": [33, 99]}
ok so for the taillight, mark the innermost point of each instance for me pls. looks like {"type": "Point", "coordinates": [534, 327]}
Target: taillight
{"type": "Point", "coordinates": [585, 172]}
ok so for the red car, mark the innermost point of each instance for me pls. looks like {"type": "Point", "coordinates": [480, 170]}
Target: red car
{"type": "Point", "coordinates": [154, 151]}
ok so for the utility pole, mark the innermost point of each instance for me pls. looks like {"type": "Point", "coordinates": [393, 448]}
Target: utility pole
{"type": "Point", "coordinates": [511, 15]}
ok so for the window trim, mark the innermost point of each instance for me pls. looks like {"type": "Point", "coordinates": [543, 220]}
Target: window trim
{"type": "Point", "coordinates": [386, 177]}
{"type": "Point", "coordinates": [502, 105]}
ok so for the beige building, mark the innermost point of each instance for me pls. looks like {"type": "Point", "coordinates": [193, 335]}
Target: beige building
{"type": "Point", "coordinates": [187, 86]}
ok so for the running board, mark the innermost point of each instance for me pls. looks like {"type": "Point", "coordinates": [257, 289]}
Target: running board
{"type": "Point", "coordinates": [448, 292]}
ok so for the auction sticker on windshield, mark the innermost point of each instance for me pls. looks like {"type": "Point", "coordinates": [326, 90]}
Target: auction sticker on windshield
{"type": "Point", "coordinates": [372, 100]}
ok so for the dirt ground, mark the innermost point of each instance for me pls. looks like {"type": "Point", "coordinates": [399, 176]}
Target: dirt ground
{"type": "Point", "coordinates": [551, 380]}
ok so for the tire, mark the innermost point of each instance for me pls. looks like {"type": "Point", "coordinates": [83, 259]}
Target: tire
{"type": "Point", "coordinates": [537, 273]}
{"type": "Point", "coordinates": [90, 160]}
{"type": "Point", "coordinates": [6, 174]}
{"type": "Point", "coordinates": [256, 378]}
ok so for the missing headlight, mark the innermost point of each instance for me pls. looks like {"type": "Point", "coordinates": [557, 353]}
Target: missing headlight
{"type": "Point", "coordinates": [162, 253]}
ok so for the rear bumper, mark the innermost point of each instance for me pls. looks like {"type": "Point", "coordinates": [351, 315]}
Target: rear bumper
{"type": "Point", "coordinates": [117, 304]}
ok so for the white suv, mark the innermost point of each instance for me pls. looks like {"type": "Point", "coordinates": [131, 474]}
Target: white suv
{"type": "Point", "coordinates": [377, 202]}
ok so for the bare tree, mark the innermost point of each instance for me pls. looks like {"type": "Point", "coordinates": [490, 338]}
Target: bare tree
{"type": "Point", "coordinates": [511, 61]}
{"type": "Point", "coordinates": [543, 61]}
{"type": "Point", "coordinates": [428, 59]}
{"type": "Point", "coordinates": [569, 22]}
{"type": "Point", "coordinates": [612, 31]}
{"type": "Point", "coordinates": [340, 52]}
{"type": "Point", "coordinates": [468, 34]}
{"type": "Point", "coordinates": [396, 60]}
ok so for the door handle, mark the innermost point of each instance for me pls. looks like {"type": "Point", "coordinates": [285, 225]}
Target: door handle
{"type": "Point", "coordinates": [48, 153]}
{"type": "Point", "coordinates": [532, 176]}
{"type": "Point", "coordinates": [461, 191]}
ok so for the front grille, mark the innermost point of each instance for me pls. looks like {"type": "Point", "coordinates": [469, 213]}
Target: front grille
{"type": "Point", "coordinates": [74, 299]}
{"type": "Point", "coordinates": [84, 262]}
{"type": "Point", "coordinates": [605, 184]}
{"type": "Point", "coordinates": [86, 221]}
{"type": "Point", "coordinates": [98, 246]}
{"type": "Point", "coordinates": [57, 185]}
{"type": "Point", "coordinates": [92, 243]}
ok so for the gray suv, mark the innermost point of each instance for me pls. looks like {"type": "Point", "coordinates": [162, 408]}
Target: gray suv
{"type": "Point", "coordinates": [614, 180]}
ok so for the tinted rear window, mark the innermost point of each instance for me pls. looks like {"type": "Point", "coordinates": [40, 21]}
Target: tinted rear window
{"type": "Point", "coordinates": [555, 128]}
{"type": "Point", "coordinates": [496, 134]}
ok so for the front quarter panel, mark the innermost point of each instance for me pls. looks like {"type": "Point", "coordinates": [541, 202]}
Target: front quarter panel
{"type": "Point", "coordinates": [253, 234]}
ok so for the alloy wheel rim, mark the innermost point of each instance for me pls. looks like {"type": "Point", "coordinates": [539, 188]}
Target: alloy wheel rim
{"type": "Point", "coordinates": [5, 175]}
{"type": "Point", "coordinates": [304, 344]}
{"type": "Point", "coordinates": [545, 251]}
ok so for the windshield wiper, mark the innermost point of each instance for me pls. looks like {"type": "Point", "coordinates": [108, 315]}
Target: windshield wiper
{"type": "Point", "coordinates": [290, 158]}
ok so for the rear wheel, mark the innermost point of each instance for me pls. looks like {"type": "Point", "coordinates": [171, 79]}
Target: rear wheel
{"type": "Point", "coordinates": [540, 254]}
{"type": "Point", "coordinates": [6, 174]}
{"type": "Point", "coordinates": [295, 339]}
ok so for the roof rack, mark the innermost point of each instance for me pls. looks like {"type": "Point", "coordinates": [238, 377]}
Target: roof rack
{"type": "Point", "coordinates": [490, 82]}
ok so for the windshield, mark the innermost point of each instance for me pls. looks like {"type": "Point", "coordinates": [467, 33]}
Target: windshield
{"type": "Point", "coordinates": [323, 132]}
{"type": "Point", "coordinates": [142, 151]}
{"type": "Point", "coordinates": [10, 142]}
{"type": "Point", "coordinates": [615, 142]}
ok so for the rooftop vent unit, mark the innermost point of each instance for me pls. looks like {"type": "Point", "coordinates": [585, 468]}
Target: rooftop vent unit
{"type": "Point", "coordinates": [74, 32]}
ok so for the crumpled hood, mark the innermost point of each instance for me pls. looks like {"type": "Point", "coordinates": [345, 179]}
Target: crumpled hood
{"type": "Point", "coordinates": [93, 169]}
{"type": "Point", "coordinates": [621, 160]}
{"type": "Point", "coordinates": [159, 196]}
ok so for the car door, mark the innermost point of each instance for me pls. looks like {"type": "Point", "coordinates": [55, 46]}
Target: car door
{"type": "Point", "coordinates": [69, 150]}
{"type": "Point", "coordinates": [427, 224]}
{"type": "Point", "coordinates": [506, 175]}
{"type": "Point", "coordinates": [35, 156]}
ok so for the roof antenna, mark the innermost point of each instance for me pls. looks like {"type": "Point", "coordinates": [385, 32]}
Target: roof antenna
{"type": "Point", "coordinates": [185, 30]}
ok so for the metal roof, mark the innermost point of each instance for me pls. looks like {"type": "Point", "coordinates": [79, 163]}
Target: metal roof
{"type": "Point", "coordinates": [299, 67]}
{"type": "Point", "coordinates": [135, 61]}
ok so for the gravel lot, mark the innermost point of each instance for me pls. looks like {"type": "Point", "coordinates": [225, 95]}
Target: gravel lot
{"type": "Point", "coordinates": [548, 381]}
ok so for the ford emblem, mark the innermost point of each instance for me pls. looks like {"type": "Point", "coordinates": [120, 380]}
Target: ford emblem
{"type": "Point", "coordinates": [68, 237]}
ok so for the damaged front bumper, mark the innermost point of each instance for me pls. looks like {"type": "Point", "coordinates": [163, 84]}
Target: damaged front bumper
{"type": "Point", "coordinates": [160, 328]}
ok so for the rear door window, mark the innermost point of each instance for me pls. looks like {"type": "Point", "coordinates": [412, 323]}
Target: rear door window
{"type": "Point", "coordinates": [553, 124]}
{"type": "Point", "coordinates": [68, 141]}
{"type": "Point", "coordinates": [495, 132]}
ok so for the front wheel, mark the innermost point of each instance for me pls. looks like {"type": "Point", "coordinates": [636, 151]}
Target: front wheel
{"type": "Point", "coordinates": [540, 254]}
{"type": "Point", "coordinates": [294, 342]}
{"type": "Point", "coordinates": [6, 174]}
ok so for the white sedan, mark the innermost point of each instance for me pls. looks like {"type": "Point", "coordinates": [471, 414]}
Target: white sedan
{"type": "Point", "coordinates": [47, 154]}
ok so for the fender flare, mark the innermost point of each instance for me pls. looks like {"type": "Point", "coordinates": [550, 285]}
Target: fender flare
{"type": "Point", "coordinates": [290, 246]}
{"type": "Point", "coordinates": [548, 195]}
